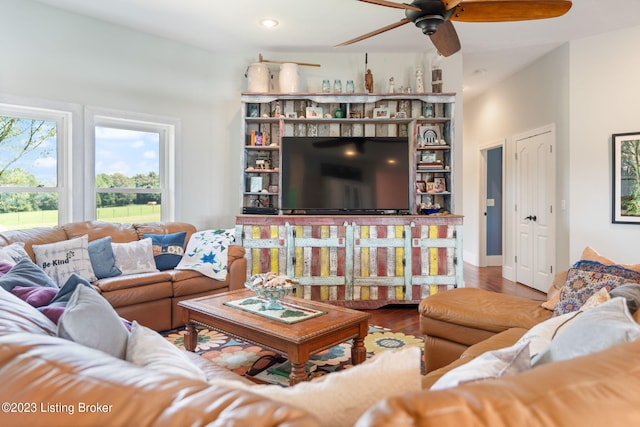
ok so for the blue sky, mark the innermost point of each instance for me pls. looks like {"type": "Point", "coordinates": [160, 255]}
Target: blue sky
{"type": "Point", "coordinates": [125, 151]}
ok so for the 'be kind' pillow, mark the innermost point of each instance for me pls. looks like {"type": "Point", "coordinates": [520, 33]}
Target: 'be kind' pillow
{"type": "Point", "coordinates": [60, 259]}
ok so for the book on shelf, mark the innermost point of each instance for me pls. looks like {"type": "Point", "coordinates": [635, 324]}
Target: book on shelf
{"type": "Point", "coordinates": [431, 165]}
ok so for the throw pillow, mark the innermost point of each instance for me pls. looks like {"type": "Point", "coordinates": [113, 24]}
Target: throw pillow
{"type": "Point", "coordinates": [36, 296]}
{"type": "Point", "coordinates": [5, 267]}
{"type": "Point", "coordinates": [66, 291]}
{"type": "Point", "coordinates": [13, 253]}
{"type": "Point", "coordinates": [594, 330]}
{"type": "Point", "coordinates": [340, 398]}
{"type": "Point", "coordinates": [492, 364]}
{"type": "Point", "coordinates": [134, 257]}
{"type": "Point", "coordinates": [167, 249]}
{"type": "Point", "coordinates": [102, 259]}
{"type": "Point", "coordinates": [585, 278]}
{"type": "Point", "coordinates": [60, 259]}
{"type": "Point", "coordinates": [25, 273]}
{"type": "Point", "coordinates": [630, 292]}
{"type": "Point", "coordinates": [149, 349]}
{"type": "Point", "coordinates": [90, 320]}
{"type": "Point", "coordinates": [207, 253]}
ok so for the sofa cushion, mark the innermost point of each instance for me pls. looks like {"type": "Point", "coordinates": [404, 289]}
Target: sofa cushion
{"type": "Point", "coordinates": [600, 328]}
{"type": "Point", "coordinates": [340, 398]}
{"type": "Point", "coordinates": [60, 259]}
{"type": "Point", "coordinates": [26, 274]}
{"type": "Point", "coordinates": [134, 257]}
{"type": "Point", "coordinates": [89, 320]}
{"type": "Point", "coordinates": [207, 253]}
{"type": "Point", "coordinates": [149, 349]}
{"type": "Point", "coordinates": [13, 253]}
{"type": "Point", "coordinates": [18, 316]}
{"type": "Point", "coordinates": [102, 258]}
{"type": "Point", "coordinates": [167, 249]}
{"type": "Point", "coordinates": [585, 278]}
{"type": "Point", "coordinates": [630, 292]}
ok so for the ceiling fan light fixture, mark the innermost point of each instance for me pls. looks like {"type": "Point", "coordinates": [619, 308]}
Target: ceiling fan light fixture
{"type": "Point", "coordinates": [269, 23]}
{"type": "Point", "coordinates": [429, 23]}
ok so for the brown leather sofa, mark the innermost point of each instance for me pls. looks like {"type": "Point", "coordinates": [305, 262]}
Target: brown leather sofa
{"type": "Point", "coordinates": [50, 381]}
{"type": "Point", "coordinates": [149, 298]}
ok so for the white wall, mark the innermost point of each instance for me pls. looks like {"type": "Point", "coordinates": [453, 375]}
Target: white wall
{"type": "Point", "coordinates": [56, 55]}
{"type": "Point", "coordinates": [605, 99]}
{"type": "Point", "coordinates": [534, 97]}
{"type": "Point", "coordinates": [590, 89]}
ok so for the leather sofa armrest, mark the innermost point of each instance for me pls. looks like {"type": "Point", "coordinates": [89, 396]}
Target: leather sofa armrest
{"type": "Point", "coordinates": [236, 267]}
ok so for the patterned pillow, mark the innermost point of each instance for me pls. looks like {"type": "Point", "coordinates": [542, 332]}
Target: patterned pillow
{"type": "Point", "coordinates": [207, 253]}
{"type": "Point", "coordinates": [586, 278]}
{"type": "Point", "coordinates": [134, 257]}
{"type": "Point", "coordinates": [60, 259]}
{"type": "Point", "coordinates": [13, 253]}
{"type": "Point", "coordinates": [167, 249]}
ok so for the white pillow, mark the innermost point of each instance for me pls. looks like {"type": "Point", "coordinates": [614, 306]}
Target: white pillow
{"type": "Point", "coordinates": [90, 320]}
{"type": "Point", "coordinates": [149, 349]}
{"type": "Point", "coordinates": [597, 329]}
{"type": "Point", "coordinates": [60, 259]}
{"type": "Point", "coordinates": [207, 253]}
{"type": "Point", "coordinates": [541, 335]}
{"type": "Point", "coordinates": [13, 253]}
{"type": "Point", "coordinates": [492, 364]}
{"type": "Point", "coordinates": [134, 257]}
{"type": "Point", "coordinates": [340, 398]}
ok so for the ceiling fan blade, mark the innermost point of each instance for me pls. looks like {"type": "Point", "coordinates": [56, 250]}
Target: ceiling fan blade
{"type": "Point", "coordinates": [509, 10]}
{"type": "Point", "coordinates": [450, 4]}
{"type": "Point", "coordinates": [374, 33]}
{"type": "Point", "coordinates": [392, 4]}
{"type": "Point", "coordinates": [445, 39]}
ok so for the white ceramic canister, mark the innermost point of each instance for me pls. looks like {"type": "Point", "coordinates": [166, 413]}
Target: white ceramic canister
{"type": "Point", "coordinates": [258, 78]}
{"type": "Point", "coordinates": [289, 78]}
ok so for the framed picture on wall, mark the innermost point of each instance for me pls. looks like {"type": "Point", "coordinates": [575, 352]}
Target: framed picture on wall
{"type": "Point", "coordinates": [626, 178]}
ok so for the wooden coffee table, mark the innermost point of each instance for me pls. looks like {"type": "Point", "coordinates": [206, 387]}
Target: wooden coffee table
{"type": "Point", "coordinates": [297, 341]}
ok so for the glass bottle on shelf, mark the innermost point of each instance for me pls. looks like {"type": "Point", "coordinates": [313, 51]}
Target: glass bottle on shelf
{"type": "Point", "coordinates": [337, 86]}
{"type": "Point", "coordinates": [350, 86]}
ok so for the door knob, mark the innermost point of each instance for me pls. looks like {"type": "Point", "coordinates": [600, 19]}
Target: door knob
{"type": "Point", "coordinates": [532, 218]}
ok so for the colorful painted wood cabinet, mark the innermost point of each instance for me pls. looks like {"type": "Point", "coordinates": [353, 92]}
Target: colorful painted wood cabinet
{"type": "Point", "coordinates": [357, 261]}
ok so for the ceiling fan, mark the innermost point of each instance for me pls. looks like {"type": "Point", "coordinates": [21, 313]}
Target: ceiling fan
{"type": "Point", "coordinates": [434, 17]}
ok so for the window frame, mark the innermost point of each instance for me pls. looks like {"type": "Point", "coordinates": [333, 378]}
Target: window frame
{"type": "Point", "coordinates": [168, 130]}
{"type": "Point", "coordinates": [66, 117]}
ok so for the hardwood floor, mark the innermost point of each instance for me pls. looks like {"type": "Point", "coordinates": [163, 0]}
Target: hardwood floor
{"type": "Point", "coordinates": [404, 318]}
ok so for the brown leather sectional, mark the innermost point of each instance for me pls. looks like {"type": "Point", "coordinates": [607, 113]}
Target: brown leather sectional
{"type": "Point", "coordinates": [149, 298]}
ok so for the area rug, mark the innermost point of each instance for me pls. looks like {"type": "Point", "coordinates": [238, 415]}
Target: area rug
{"type": "Point", "coordinates": [239, 356]}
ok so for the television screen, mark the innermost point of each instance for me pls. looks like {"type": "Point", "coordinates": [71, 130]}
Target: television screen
{"type": "Point", "coordinates": [345, 173]}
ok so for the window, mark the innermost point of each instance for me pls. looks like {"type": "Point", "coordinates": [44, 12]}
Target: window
{"type": "Point", "coordinates": [33, 179]}
{"type": "Point", "coordinates": [133, 171]}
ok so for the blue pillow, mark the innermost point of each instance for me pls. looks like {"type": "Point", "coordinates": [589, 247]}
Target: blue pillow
{"type": "Point", "coordinates": [167, 249]}
{"type": "Point", "coordinates": [102, 259]}
{"type": "Point", "coordinates": [25, 273]}
{"type": "Point", "coordinates": [66, 290]}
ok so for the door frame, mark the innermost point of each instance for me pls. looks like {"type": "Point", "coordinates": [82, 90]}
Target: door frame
{"type": "Point", "coordinates": [485, 260]}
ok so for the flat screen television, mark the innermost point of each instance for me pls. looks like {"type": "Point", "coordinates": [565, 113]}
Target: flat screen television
{"type": "Point", "coordinates": [345, 174]}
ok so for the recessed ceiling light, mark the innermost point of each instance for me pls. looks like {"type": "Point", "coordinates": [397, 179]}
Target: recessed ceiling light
{"type": "Point", "coordinates": [269, 22]}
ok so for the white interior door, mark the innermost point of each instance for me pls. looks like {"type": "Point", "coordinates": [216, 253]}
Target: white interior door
{"type": "Point", "coordinates": [535, 194]}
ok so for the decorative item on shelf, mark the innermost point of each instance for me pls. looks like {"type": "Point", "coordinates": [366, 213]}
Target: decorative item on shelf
{"type": "Point", "coordinates": [254, 111]}
{"type": "Point", "coordinates": [289, 78]}
{"type": "Point", "coordinates": [258, 76]}
{"type": "Point", "coordinates": [355, 114]}
{"type": "Point", "coordinates": [419, 80]}
{"type": "Point", "coordinates": [381, 113]}
{"type": "Point", "coordinates": [431, 187]}
{"type": "Point", "coordinates": [277, 112]}
{"type": "Point", "coordinates": [436, 79]}
{"type": "Point", "coordinates": [440, 184]}
{"type": "Point", "coordinates": [368, 81]}
{"type": "Point", "coordinates": [404, 107]}
{"type": "Point", "coordinates": [314, 113]}
{"type": "Point", "coordinates": [272, 287]}
{"type": "Point", "coordinates": [326, 87]}
{"type": "Point", "coordinates": [428, 111]}
{"type": "Point", "coordinates": [428, 135]}
{"type": "Point", "coordinates": [392, 85]}
{"type": "Point", "coordinates": [337, 86]}
{"type": "Point", "coordinates": [255, 184]}
{"type": "Point", "coordinates": [291, 115]}
{"type": "Point", "coordinates": [350, 87]}
{"type": "Point", "coordinates": [273, 189]}
{"type": "Point", "coordinates": [421, 186]}
{"type": "Point", "coordinates": [339, 113]}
